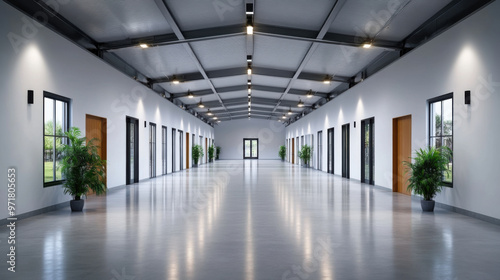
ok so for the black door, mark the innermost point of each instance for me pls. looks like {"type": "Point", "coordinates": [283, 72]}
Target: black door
{"type": "Point", "coordinates": [132, 156]}
{"type": "Point", "coordinates": [367, 150]}
{"type": "Point", "coordinates": [330, 150]}
{"type": "Point", "coordinates": [345, 151]}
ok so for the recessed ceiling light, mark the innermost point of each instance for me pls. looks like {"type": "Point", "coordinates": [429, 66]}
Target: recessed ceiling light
{"type": "Point", "coordinates": [367, 44]}
{"type": "Point", "coordinates": [144, 46]}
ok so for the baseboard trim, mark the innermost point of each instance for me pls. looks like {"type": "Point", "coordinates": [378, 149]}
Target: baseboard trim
{"type": "Point", "coordinates": [36, 212]}
{"type": "Point", "coordinates": [468, 213]}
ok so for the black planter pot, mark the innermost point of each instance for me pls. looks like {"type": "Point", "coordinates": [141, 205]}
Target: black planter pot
{"type": "Point", "coordinates": [76, 205]}
{"type": "Point", "coordinates": [427, 205]}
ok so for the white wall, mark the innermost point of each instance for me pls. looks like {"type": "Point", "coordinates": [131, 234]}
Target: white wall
{"type": "Point", "coordinates": [229, 136]}
{"type": "Point", "coordinates": [463, 58]}
{"type": "Point", "coordinates": [41, 60]}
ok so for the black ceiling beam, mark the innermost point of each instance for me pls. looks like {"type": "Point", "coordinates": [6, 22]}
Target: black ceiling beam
{"type": "Point", "coordinates": [452, 13]}
{"type": "Point", "coordinates": [328, 38]}
{"type": "Point", "coordinates": [38, 10]}
{"type": "Point", "coordinates": [239, 71]}
{"type": "Point", "coordinates": [171, 38]}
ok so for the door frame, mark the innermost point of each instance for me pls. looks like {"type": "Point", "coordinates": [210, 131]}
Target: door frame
{"type": "Point", "coordinates": [187, 150]}
{"type": "Point", "coordinates": [346, 150]}
{"type": "Point", "coordinates": [136, 150]}
{"type": "Point", "coordinates": [251, 140]}
{"type": "Point", "coordinates": [330, 151]}
{"type": "Point", "coordinates": [371, 122]}
{"type": "Point", "coordinates": [395, 155]}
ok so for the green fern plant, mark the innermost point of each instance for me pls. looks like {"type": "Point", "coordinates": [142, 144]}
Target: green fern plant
{"type": "Point", "coordinates": [82, 167]}
{"type": "Point", "coordinates": [427, 171]}
{"type": "Point", "coordinates": [197, 153]}
{"type": "Point", "coordinates": [305, 154]}
{"type": "Point", "coordinates": [282, 152]}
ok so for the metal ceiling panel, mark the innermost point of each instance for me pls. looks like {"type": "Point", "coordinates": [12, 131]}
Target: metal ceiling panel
{"type": "Point", "coordinates": [266, 94]}
{"type": "Point", "coordinates": [113, 20]}
{"type": "Point", "coordinates": [340, 60]}
{"type": "Point", "coordinates": [230, 81]}
{"type": "Point", "coordinates": [314, 86]}
{"type": "Point", "coordinates": [293, 13]}
{"type": "Point", "coordinates": [365, 18]}
{"type": "Point", "coordinates": [159, 62]}
{"type": "Point", "coordinates": [234, 94]}
{"type": "Point", "coordinates": [186, 86]}
{"type": "Point", "coordinates": [277, 53]}
{"type": "Point", "coordinates": [196, 14]}
{"type": "Point", "coordinates": [411, 18]}
{"type": "Point", "coordinates": [221, 53]}
{"type": "Point", "coordinates": [270, 81]}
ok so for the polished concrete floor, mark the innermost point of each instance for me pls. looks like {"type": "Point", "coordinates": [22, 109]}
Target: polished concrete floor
{"type": "Point", "coordinates": [253, 220]}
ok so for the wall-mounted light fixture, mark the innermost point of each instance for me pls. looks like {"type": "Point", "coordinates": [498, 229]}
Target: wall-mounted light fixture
{"type": "Point", "coordinates": [467, 97]}
{"type": "Point", "coordinates": [31, 97]}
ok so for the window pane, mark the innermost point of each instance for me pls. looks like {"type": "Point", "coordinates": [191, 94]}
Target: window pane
{"type": "Point", "coordinates": [447, 117]}
{"type": "Point", "coordinates": [448, 176]}
{"type": "Point", "coordinates": [254, 148]}
{"type": "Point", "coordinates": [60, 117]}
{"type": "Point", "coordinates": [247, 148]}
{"type": "Point", "coordinates": [436, 119]}
{"type": "Point", "coordinates": [48, 116]}
{"type": "Point", "coordinates": [48, 158]}
{"type": "Point", "coordinates": [436, 142]}
{"type": "Point", "coordinates": [59, 142]}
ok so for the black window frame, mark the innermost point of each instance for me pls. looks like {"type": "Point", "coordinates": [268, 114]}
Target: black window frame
{"type": "Point", "coordinates": [430, 137]}
{"type": "Point", "coordinates": [68, 102]}
{"type": "Point", "coordinates": [251, 139]}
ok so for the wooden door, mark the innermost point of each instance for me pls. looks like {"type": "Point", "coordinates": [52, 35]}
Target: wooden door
{"type": "Point", "coordinates": [293, 150]}
{"type": "Point", "coordinates": [187, 150]}
{"type": "Point", "coordinates": [95, 127]}
{"type": "Point", "coordinates": [401, 151]}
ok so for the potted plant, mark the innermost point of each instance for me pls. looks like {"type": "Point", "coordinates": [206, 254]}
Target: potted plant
{"type": "Point", "coordinates": [426, 174]}
{"type": "Point", "coordinates": [211, 153]}
{"type": "Point", "coordinates": [305, 155]}
{"type": "Point", "coordinates": [217, 152]}
{"type": "Point", "coordinates": [82, 168]}
{"type": "Point", "coordinates": [282, 152]}
{"type": "Point", "coordinates": [197, 154]}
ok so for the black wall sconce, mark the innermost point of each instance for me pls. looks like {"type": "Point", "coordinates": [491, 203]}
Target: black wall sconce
{"type": "Point", "coordinates": [354, 124]}
{"type": "Point", "coordinates": [145, 125]}
{"type": "Point", "coordinates": [31, 97]}
{"type": "Point", "coordinates": [467, 97]}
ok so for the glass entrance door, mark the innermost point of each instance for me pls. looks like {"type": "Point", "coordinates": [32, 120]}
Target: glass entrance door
{"type": "Point", "coordinates": [367, 150]}
{"type": "Point", "coordinates": [250, 148]}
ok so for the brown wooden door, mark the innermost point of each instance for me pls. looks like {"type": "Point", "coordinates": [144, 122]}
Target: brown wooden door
{"type": "Point", "coordinates": [96, 127]}
{"type": "Point", "coordinates": [293, 150]}
{"type": "Point", "coordinates": [187, 150]}
{"type": "Point", "coordinates": [401, 151]}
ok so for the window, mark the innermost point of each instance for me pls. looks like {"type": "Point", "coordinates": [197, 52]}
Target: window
{"type": "Point", "coordinates": [441, 128]}
{"type": "Point", "coordinates": [55, 124]}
